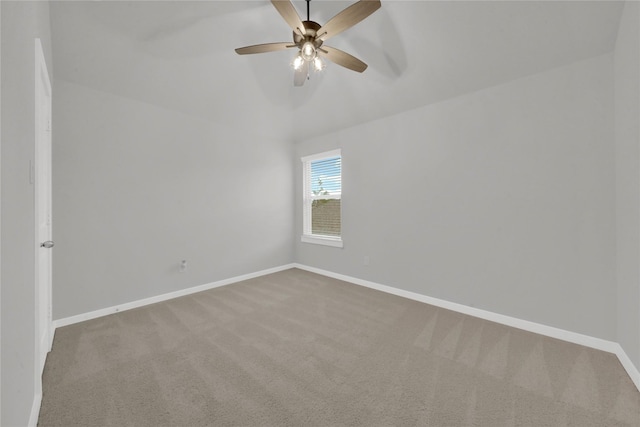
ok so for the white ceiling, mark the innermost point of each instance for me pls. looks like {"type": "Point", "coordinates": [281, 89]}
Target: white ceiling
{"type": "Point", "coordinates": [180, 55]}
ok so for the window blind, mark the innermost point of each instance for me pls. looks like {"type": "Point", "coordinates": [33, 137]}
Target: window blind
{"type": "Point", "coordinates": [323, 192]}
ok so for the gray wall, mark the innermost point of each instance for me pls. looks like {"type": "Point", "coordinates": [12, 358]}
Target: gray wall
{"type": "Point", "coordinates": [627, 133]}
{"type": "Point", "coordinates": [22, 22]}
{"type": "Point", "coordinates": [138, 188]}
{"type": "Point", "coordinates": [503, 199]}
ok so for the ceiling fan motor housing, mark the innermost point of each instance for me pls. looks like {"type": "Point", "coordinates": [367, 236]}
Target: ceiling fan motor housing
{"type": "Point", "coordinates": [311, 29]}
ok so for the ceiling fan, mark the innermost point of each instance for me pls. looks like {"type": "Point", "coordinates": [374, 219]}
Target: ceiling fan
{"type": "Point", "coordinates": [309, 36]}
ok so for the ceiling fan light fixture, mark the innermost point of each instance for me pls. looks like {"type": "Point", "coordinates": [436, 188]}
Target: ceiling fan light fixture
{"type": "Point", "coordinates": [318, 64]}
{"type": "Point", "coordinates": [308, 51]}
{"type": "Point", "coordinates": [297, 62]}
{"type": "Point", "coordinates": [309, 38]}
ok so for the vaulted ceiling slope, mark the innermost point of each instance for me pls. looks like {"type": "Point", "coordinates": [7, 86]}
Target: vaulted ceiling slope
{"type": "Point", "coordinates": [180, 55]}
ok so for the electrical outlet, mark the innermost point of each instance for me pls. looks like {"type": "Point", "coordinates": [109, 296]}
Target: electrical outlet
{"type": "Point", "coordinates": [366, 260]}
{"type": "Point", "coordinates": [183, 266]}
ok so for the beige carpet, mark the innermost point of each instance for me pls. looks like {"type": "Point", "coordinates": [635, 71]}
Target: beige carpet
{"type": "Point", "coordinates": [299, 349]}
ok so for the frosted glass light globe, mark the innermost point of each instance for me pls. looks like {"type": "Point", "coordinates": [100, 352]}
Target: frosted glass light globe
{"type": "Point", "coordinates": [308, 51]}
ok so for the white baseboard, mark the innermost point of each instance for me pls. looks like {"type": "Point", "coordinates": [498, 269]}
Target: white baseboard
{"type": "Point", "coordinates": [164, 297]}
{"type": "Point", "coordinates": [628, 365]}
{"type": "Point", "coordinates": [550, 331]}
{"type": "Point", "coordinates": [35, 410]}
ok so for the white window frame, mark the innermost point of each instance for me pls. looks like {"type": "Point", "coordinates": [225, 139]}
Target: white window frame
{"type": "Point", "coordinates": [308, 198]}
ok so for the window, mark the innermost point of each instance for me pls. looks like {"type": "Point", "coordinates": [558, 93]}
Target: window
{"type": "Point", "coordinates": [322, 186]}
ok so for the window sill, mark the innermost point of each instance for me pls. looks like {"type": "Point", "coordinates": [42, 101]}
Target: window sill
{"type": "Point", "coordinates": [336, 242]}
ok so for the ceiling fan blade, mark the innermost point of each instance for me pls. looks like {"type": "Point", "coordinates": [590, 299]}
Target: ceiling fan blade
{"type": "Point", "coordinates": [262, 48]}
{"type": "Point", "coordinates": [290, 15]}
{"type": "Point", "coordinates": [348, 18]}
{"type": "Point", "coordinates": [342, 58]}
{"type": "Point", "coordinates": [301, 74]}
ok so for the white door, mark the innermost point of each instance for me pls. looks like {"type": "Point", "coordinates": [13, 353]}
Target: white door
{"type": "Point", "coordinates": [42, 175]}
